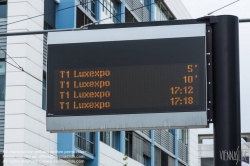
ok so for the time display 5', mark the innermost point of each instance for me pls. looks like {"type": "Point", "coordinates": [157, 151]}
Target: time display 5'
{"type": "Point", "coordinates": [108, 78]}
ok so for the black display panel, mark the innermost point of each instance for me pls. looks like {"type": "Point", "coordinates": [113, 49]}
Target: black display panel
{"type": "Point", "coordinates": [127, 77]}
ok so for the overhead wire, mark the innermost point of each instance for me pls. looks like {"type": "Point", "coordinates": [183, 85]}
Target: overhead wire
{"type": "Point", "coordinates": [46, 13]}
{"type": "Point", "coordinates": [10, 57]}
{"type": "Point", "coordinates": [23, 70]}
{"type": "Point", "coordinates": [223, 7]}
{"type": "Point", "coordinates": [18, 66]}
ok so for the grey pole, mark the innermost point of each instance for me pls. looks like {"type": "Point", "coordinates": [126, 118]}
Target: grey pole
{"type": "Point", "coordinates": [39, 32]}
{"type": "Point", "coordinates": [227, 132]}
{"type": "Point", "coordinates": [244, 20]}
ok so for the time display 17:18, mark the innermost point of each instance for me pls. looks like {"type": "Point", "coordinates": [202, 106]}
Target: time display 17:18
{"type": "Point", "coordinates": [184, 95]}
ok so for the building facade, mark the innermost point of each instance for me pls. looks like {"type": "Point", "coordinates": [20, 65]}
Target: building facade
{"type": "Point", "coordinates": [206, 150]}
{"type": "Point", "coordinates": [24, 139]}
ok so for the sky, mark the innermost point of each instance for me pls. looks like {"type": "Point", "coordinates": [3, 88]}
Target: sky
{"type": "Point", "coordinates": [200, 8]}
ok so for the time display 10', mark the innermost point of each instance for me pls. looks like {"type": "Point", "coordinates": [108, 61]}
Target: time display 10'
{"type": "Point", "coordinates": [125, 81]}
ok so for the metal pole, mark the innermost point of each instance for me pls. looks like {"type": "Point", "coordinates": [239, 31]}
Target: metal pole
{"type": "Point", "coordinates": [227, 133]}
{"type": "Point", "coordinates": [60, 30]}
{"type": "Point", "coordinates": [244, 20]}
{"type": "Point", "coordinates": [39, 32]}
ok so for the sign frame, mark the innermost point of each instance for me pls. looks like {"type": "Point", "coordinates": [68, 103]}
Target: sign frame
{"type": "Point", "coordinates": [118, 122]}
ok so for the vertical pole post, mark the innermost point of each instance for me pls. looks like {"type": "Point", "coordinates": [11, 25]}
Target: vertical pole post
{"type": "Point", "coordinates": [227, 133]}
{"type": "Point", "coordinates": [98, 11]}
{"type": "Point", "coordinates": [152, 135]}
{"type": "Point", "coordinates": [176, 139]}
{"type": "Point", "coordinates": [123, 11]}
{"type": "Point", "coordinates": [122, 142]}
{"type": "Point", "coordinates": [152, 10]}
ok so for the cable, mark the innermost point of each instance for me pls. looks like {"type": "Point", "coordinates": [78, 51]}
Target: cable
{"type": "Point", "coordinates": [46, 13]}
{"type": "Point", "coordinates": [11, 58]}
{"type": "Point", "coordinates": [223, 7]}
{"type": "Point", "coordinates": [19, 67]}
{"type": "Point", "coordinates": [23, 70]}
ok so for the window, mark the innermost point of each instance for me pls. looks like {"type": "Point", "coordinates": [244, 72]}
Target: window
{"type": "Point", "coordinates": [110, 138]}
{"type": "Point", "coordinates": [82, 19]}
{"type": "Point", "coordinates": [137, 148]}
{"type": "Point", "coordinates": [50, 6]}
{"type": "Point", "coordinates": [85, 4]}
{"type": "Point", "coordinates": [162, 12]}
{"type": "Point", "coordinates": [172, 131]}
{"type": "Point", "coordinates": [2, 80]}
{"type": "Point", "coordinates": [128, 144]}
{"type": "Point", "coordinates": [47, 26]}
{"type": "Point", "coordinates": [146, 160]}
{"type": "Point", "coordinates": [93, 8]}
{"type": "Point", "coordinates": [164, 159]}
{"type": "Point", "coordinates": [183, 136]}
{"type": "Point", "coordinates": [44, 94]}
{"type": "Point", "coordinates": [129, 17]}
{"type": "Point", "coordinates": [115, 140]}
{"type": "Point", "coordinates": [110, 8]}
{"type": "Point", "coordinates": [105, 137]}
{"type": "Point", "coordinates": [85, 142]}
{"type": "Point", "coordinates": [206, 162]}
{"type": "Point", "coordinates": [3, 9]}
{"type": "Point", "coordinates": [1, 159]}
{"type": "Point", "coordinates": [157, 156]}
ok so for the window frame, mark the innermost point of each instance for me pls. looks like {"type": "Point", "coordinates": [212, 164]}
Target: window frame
{"type": "Point", "coordinates": [4, 81]}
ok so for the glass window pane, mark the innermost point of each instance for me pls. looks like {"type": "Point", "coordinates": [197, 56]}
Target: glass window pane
{"type": "Point", "coordinates": [44, 94]}
{"type": "Point", "coordinates": [3, 10]}
{"type": "Point", "coordinates": [115, 137]}
{"type": "Point", "coordinates": [2, 87]}
{"type": "Point", "coordinates": [50, 6]}
{"type": "Point", "coordinates": [2, 67]}
{"type": "Point", "coordinates": [89, 136]}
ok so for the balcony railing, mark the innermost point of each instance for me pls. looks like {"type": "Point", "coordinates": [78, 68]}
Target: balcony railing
{"type": "Point", "coordinates": [182, 151]}
{"type": "Point", "coordinates": [165, 139]}
{"type": "Point", "coordinates": [110, 9]}
{"type": "Point", "coordinates": [141, 13]}
{"type": "Point", "coordinates": [84, 144]}
{"type": "Point", "coordinates": [3, 40]}
{"type": "Point", "coordinates": [89, 7]}
{"type": "Point", "coordinates": [45, 51]}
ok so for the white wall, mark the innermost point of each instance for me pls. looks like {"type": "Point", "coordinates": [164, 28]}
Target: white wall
{"type": "Point", "coordinates": [106, 17]}
{"type": "Point", "coordinates": [193, 147]}
{"type": "Point", "coordinates": [25, 121]}
{"type": "Point", "coordinates": [178, 9]}
{"type": "Point", "coordinates": [112, 157]}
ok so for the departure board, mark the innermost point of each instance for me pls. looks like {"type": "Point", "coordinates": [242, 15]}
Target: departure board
{"type": "Point", "coordinates": [127, 77]}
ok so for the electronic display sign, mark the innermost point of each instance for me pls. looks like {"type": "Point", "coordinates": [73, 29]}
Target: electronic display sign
{"type": "Point", "coordinates": [138, 76]}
